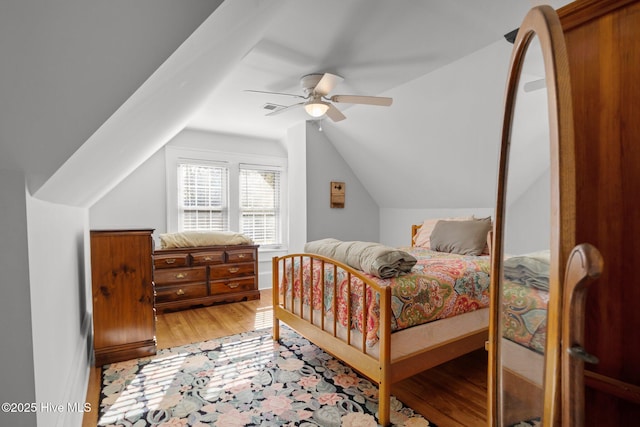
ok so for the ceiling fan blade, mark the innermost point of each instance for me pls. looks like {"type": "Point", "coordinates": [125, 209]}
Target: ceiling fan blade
{"type": "Point", "coordinates": [368, 100]}
{"type": "Point", "coordinates": [334, 114]}
{"type": "Point", "coordinates": [327, 83]}
{"type": "Point", "coordinates": [275, 93]}
{"type": "Point", "coordinates": [282, 110]}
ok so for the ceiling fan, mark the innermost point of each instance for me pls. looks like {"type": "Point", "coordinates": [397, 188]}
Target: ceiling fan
{"type": "Point", "coordinates": [317, 103]}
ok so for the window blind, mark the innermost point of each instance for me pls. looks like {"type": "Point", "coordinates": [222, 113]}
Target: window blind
{"type": "Point", "coordinates": [260, 204]}
{"type": "Point", "coordinates": [202, 197]}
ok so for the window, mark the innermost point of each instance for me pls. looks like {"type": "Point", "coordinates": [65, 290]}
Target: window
{"type": "Point", "coordinates": [260, 204]}
{"type": "Point", "coordinates": [202, 198]}
{"type": "Point", "coordinates": [210, 191]}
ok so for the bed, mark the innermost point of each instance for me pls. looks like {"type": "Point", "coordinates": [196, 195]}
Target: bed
{"type": "Point", "coordinates": [396, 341]}
{"type": "Point", "coordinates": [525, 296]}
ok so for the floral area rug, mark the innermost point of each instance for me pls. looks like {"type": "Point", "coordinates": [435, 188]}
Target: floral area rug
{"type": "Point", "coordinates": [242, 380]}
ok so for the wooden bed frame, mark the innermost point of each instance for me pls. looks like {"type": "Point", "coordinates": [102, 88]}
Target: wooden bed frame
{"type": "Point", "coordinates": [383, 370]}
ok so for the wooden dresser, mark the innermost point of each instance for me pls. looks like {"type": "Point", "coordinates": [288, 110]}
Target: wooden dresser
{"type": "Point", "coordinates": [188, 277]}
{"type": "Point", "coordinates": [123, 297]}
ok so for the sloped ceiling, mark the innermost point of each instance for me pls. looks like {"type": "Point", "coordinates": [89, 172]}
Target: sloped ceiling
{"type": "Point", "coordinates": [68, 65]}
{"type": "Point", "coordinates": [72, 62]}
{"type": "Point", "coordinates": [437, 147]}
{"type": "Point", "coordinates": [162, 106]}
{"type": "Point", "coordinates": [376, 45]}
{"type": "Point", "coordinates": [444, 63]}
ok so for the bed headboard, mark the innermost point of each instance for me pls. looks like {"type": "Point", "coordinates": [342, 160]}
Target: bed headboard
{"type": "Point", "coordinates": [414, 231]}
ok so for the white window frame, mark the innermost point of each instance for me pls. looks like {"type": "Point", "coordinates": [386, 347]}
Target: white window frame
{"type": "Point", "coordinates": [232, 161]}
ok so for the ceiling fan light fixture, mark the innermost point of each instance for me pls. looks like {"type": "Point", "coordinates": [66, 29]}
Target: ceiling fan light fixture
{"type": "Point", "coordinates": [316, 100]}
{"type": "Point", "coordinates": [316, 108]}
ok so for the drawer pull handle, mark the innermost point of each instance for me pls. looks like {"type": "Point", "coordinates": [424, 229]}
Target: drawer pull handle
{"type": "Point", "coordinates": [233, 285]}
{"type": "Point", "coordinates": [170, 261]}
{"type": "Point", "coordinates": [242, 255]}
{"type": "Point", "coordinates": [233, 269]}
{"type": "Point", "coordinates": [179, 292]}
{"type": "Point", "coordinates": [208, 258]}
{"type": "Point", "coordinates": [181, 275]}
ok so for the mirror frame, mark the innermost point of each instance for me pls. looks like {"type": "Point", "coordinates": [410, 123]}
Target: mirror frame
{"type": "Point", "coordinates": [543, 22]}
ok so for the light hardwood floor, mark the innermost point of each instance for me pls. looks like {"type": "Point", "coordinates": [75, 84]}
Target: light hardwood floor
{"type": "Point", "coordinates": [453, 394]}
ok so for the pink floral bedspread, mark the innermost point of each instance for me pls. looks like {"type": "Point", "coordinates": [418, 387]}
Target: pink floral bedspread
{"type": "Point", "coordinates": [440, 285]}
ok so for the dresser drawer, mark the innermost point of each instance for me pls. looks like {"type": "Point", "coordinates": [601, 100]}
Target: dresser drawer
{"type": "Point", "coordinates": [204, 258]}
{"type": "Point", "coordinates": [180, 275]}
{"type": "Point", "coordinates": [230, 271]}
{"type": "Point", "coordinates": [233, 285]}
{"type": "Point", "coordinates": [171, 260]}
{"type": "Point", "coordinates": [240, 255]}
{"type": "Point", "coordinates": [178, 293]}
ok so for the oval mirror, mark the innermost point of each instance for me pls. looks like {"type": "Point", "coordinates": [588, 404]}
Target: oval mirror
{"type": "Point", "coordinates": [533, 229]}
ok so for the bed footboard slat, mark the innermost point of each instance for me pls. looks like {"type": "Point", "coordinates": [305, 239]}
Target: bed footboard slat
{"type": "Point", "coordinates": [373, 365]}
{"type": "Point", "coordinates": [349, 320]}
{"type": "Point", "coordinates": [365, 324]}
{"type": "Point", "coordinates": [291, 281]}
{"type": "Point", "coordinates": [311, 286]}
{"type": "Point", "coordinates": [334, 309]}
{"type": "Point", "coordinates": [322, 294]}
{"type": "Point", "coordinates": [275, 297]}
{"type": "Point", "coordinates": [301, 286]}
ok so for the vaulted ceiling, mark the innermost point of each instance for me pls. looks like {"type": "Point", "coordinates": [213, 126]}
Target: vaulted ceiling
{"type": "Point", "coordinates": [443, 62]}
{"type": "Point", "coordinates": [69, 64]}
{"type": "Point", "coordinates": [375, 45]}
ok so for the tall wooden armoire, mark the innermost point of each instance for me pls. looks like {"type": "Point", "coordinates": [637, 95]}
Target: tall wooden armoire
{"type": "Point", "coordinates": [603, 46]}
{"type": "Point", "coordinates": [593, 95]}
{"type": "Point", "coordinates": [123, 295]}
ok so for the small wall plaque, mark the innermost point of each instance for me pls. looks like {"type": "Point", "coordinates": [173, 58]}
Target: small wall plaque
{"type": "Point", "coordinates": [337, 194]}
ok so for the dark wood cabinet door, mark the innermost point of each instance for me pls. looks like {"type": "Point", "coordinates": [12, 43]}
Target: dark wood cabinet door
{"type": "Point", "coordinates": [123, 294]}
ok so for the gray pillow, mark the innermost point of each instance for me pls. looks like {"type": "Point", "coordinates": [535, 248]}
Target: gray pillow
{"type": "Point", "coordinates": [460, 237]}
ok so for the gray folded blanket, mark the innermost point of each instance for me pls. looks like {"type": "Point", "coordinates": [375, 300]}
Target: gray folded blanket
{"type": "Point", "coordinates": [529, 270]}
{"type": "Point", "coordinates": [372, 258]}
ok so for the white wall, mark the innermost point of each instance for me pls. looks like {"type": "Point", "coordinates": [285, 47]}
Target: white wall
{"type": "Point", "coordinates": [296, 146]}
{"type": "Point", "coordinates": [140, 199]}
{"type": "Point", "coordinates": [528, 218]}
{"type": "Point", "coordinates": [16, 352]}
{"type": "Point", "coordinates": [45, 305]}
{"type": "Point", "coordinates": [434, 152]}
{"type": "Point", "coordinates": [395, 224]}
{"type": "Point", "coordinates": [359, 219]}
{"type": "Point", "coordinates": [437, 145]}
{"type": "Point", "coordinates": [59, 270]}
{"type": "Point", "coordinates": [450, 150]}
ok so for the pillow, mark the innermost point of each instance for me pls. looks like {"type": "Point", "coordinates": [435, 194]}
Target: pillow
{"type": "Point", "coordinates": [423, 235]}
{"type": "Point", "coordinates": [460, 237]}
{"type": "Point", "coordinates": [187, 239]}
{"type": "Point", "coordinates": [486, 250]}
